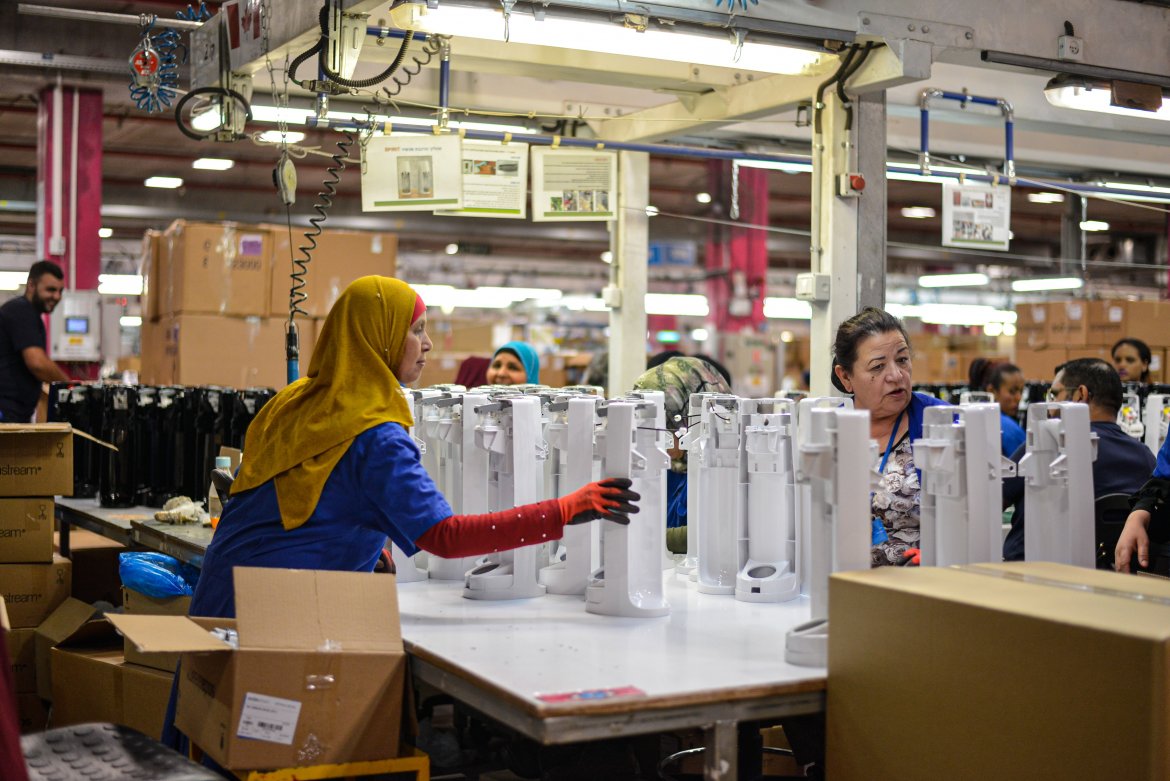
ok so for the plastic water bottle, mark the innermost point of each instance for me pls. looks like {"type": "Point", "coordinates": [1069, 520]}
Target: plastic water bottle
{"type": "Point", "coordinates": [214, 505]}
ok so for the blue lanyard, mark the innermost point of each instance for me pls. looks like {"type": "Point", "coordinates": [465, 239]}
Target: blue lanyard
{"type": "Point", "coordinates": [879, 530]}
{"type": "Point", "coordinates": [890, 444]}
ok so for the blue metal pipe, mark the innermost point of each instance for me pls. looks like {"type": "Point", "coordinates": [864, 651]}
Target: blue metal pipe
{"type": "Point", "coordinates": [924, 98]}
{"type": "Point", "coordinates": [962, 97]}
{"type": "Point", "coordinates": [444, 81]}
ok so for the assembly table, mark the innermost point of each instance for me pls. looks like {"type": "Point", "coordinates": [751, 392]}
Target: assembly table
{"type": "Point", "coordinates": [557, 674]}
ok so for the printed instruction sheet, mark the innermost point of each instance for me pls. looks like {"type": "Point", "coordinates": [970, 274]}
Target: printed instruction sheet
{"type": "Point", "coordinates": [573, 185]}
{"type": "Point", "coordinates": [495, 180]}
{"type": "Point", "coordinates": [406, 172]}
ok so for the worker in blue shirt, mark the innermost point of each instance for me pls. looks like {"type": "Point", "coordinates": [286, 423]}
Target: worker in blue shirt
{"type": "Point", "coordinates": [514, 363]}
{"type": "Point", "coordinates": [1005, 382]}
{"type": "Point", "coordinates": [1149, 515]}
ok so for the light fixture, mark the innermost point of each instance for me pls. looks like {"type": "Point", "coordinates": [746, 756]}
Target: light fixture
{"type": "Point", "coordinates": [607, 257]}
{"type": "Point", "coordinates": [952, 280]}
{"type": "Point", "coordinates": [787, 309]}
{"type": "Point", "coordinates": [668, 337]}
{"type": "Point", "coordinates": [361, 116]}
{"type": "Point", "coordinates": [451, 249]}
{"type": "Point", "coordinates": [213, 163]}
{"type": "Point", "coordinates": [13, 280]}
{"type": "Point", "coordinates": [699, 335]}
{"type": "Point", "coordinates": [1053, 283]}
{"type": "Point", "coordinates": [276, 137]}
{"type": "Point", "coordinates": [787, 337]}
{"type": "Point", "coordinates": [164, 182]}
{"type": "Point", "coordinates": [130, 321]}
{"type": "Point", "coordinates": [651, 211]}
{"type": "Point", "coordinates": [775, 165]}
{"type": "Point", "coordinates": [207, 118]}
{"type": "Point", "coordinates": [993, 328]}
{"type": "Point", "coordinates": [918, 212]}
{"type": "Point", "coordinates": [952, 314]}
{"type": "Point", "coordinates": [291, 116]}
{"type": "Point", "coordinates": [1083, 94]}
{"type": "Point", "coordinates": [105, 233]}
{"type": "Point", "coordinates": [703, 197]}
{"type": "Point", "coordinates": [522, 293]}
{"type": "Point", "coordinates": [1009, 329]}
{"type": "Point", "coordinates": [1045, 198]}
{"type": "Point", "coordinates": [120, 284]}
{"type": "Point", "coordinates": [1094, 226]}
{"type": "Point", "coordinates": [676, 304]}
{"type": "Point", "coordinates": [594, 34]}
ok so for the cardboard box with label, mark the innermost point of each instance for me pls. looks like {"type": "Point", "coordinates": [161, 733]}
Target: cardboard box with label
{"type": "Point", "coordinates": [235, 352]}
{"type": "Point", "coordinates": [319, 670]}
{"type": "Point", "coordinates": [26, 530]}
{"type": "Point", "coordinates": [215, 268]}
{"type": "Point", "coordinates": [1032, 326]}
{"type": "Point", "coordinates": [36, 459]}
{"type": "Point", "coordinates": [33, 591]}
{"type": "Point", "coordinates": [340, 258]}
{"type": "Point", "coordinates": [1018, 670]}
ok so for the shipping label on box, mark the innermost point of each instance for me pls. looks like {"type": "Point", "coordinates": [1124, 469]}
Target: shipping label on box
{"type": "Point", "coordinates": [36, 459]}
{"type": "Point", "coordinates": [32, 591]}
{"type": "Point", "coordinates": [26, 530]}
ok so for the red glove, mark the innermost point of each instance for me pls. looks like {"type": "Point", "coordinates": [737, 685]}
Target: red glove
{"type": "Point", "coordinates": [912, 557]}
{"type": "Point", "coordinates": [609, 499]}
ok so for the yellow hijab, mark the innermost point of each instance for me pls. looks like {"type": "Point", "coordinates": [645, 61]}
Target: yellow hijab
{"type": "Point", "coordinates": [300, 435]}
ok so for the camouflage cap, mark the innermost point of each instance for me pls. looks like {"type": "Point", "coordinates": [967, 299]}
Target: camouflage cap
{"type": "Point", "coordinates": [678, 378]}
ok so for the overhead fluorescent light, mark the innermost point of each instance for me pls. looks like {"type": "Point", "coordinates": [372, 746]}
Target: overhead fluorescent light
{"type": "Point", "coordinates": [522, 293]}
{"type": "Point", "coordinates": [451, 249]}
{"type": "Point", "coordinates": [787, 309]}
{"type": "Point", "coordinates": [668, 337]}
{"type": "Point", "coordinates": [952, 280]}
{"type": "Point", "coordinates": [105, 233]}
{"type": "Point", "coordinates": [703, 197]}
{"type": "Point", "coordinates": [607, 257]}
{"type": "Point", "coordinates": [699, 335]}
{"type": "Point", "coordinates": [361, 116]}
{"type": "Point", "coordinates": [1009, 329]}
{"type": "Point", "coordinates": [120, 284]}
{"type": "Point", "coordinates": [448, 297]}
{"type": "Point", "coordinates": [918, 212]}
{"type": "Point", "coordinates": [775, 165]}
{"type": "Point", "coordinates": [952, 314]}
{"type": "Point", "coordinates": [993, 328]}
{"type": "Point", "coordinates": [561, 31]}
{"type": "Point", "coordinates": [275, 136]}
{"type": "Point", "coordinates": [1094, 226]}
{"type": "Point", "coordinates": [213, 164]}
{"type": "Point", "coordinates": [676, 304]}
{"type": "Point", "coordinates": [206, 119]}
{"type": "Point", "coordinates": [130, 321]}
{"type": "Point", "coordinates": [1082, 94]}
{"type": "Point", "coordinates": [273, 114]}
{"type": "Point", "coordinates": [13, 280]}
{"type": "Point", "coordinates": [1054, 283]}
{"type": "Point", "coordinates": [1045, 197]}
{"type": "Point", "coordinates": [651, 211]}
{"type": "Point", "coordinates": [164, 182]}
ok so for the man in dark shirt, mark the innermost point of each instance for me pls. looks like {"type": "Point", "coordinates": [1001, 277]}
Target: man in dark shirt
{"type": "Point", "coordinates": [1123, 463]}
{"type": "Point", "coordinates": [24, 365]}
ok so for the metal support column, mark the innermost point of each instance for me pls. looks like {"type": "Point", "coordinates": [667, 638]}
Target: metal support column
{"type": "Point", "coordinates": [834, 241]}
{"type": "Point", "coordinates": [630, 244]}
{"type": "Point", "coordinates": [869, 118]}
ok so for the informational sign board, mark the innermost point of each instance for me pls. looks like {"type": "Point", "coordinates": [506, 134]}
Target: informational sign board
{"type": "Point", "coordinates": [495, 180]}
{"type": "Point", "coordinates": [976, 215]}
{"type": "Point", "coordinates": [406, 172]}
{"type": "Point", "coordinates": [573, 185]}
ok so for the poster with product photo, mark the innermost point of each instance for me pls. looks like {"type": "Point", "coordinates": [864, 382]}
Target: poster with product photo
{"type": "Point", "coordinates": [573, 185]}
{"type": "Point", "coordinates": [403, 172]}
{"type": "Point", "coordinates": [976, 215]}
{"type": "Point", "coordinates": [495, 180]}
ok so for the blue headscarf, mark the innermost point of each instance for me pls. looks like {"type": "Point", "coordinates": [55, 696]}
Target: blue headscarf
{"type": "Point", "coordinates": [527, 356]}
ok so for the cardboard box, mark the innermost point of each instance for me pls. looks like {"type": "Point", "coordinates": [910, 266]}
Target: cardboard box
{"type": "Point", "coordinates": [462, 336]}
{"type": "Point", "coordinates": [96, 575]}
{"type": "Point", "coordinates": [1040, 365]}
{"type": "Point", "coordinates": [1068, 323]}
{"type": "Point", "coordinates": [263, 705]}
{"type": "Point", "coordinates": [215, 268]}
{"type": "Point", "coordinates": [340, 258]}
{"type": "Point", "coordinates": [137, 603]}
{"type": "Point", "coordinates": [36, 459]}
{"type": "Point", "coordinates": [1032, 326]}
{"type": "Point", "coordinates": [1108, 322]}
{"type": "Point", "coordinates": [441, 369]}
{"type": "Point", "coordinates": [26, 530]}
{"type": "Point", "coordinates": [1020, 670]}
{"type": "Point", "coordinates": [32, 591]}
{"type": "Point", "coordinates": [95, 684]}
{"type": "Point", "coordinates": [70, 618]}
{"type": "Point", "coordinates": [1147, 321]}
{"type": "Point", "coordinates": [32, 713]}
{"type": "Point", "coordinates": [149, 267]}
{"type": "Point", "coordinates": [235, 352]}
{"type": "Point", "coordinates": [22, 657]}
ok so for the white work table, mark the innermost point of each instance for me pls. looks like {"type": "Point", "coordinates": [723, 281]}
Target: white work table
{"type": "Point", "coordinates": [712, 663]}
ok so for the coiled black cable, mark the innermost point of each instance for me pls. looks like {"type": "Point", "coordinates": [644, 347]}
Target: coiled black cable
{"type": "Point", "coordinates": [324, 202]}
{"type": "Point", "coordinates": [224, 94]}
{"type": "Point", "coordinates": [430, 48]}
{"type": "Point", "coordinates": [373, 81]}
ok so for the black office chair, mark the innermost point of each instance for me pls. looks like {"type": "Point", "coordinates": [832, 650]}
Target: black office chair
{"type": "Point", "coordinates": [1110, 512]}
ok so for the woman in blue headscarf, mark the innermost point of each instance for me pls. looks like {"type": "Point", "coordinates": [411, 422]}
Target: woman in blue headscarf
{"type": "Point", "coordinates": [514, 364]}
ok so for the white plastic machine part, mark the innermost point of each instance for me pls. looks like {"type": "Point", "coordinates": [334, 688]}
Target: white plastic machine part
{"type": "Point", "coordinates": [804, 408]}
{"type": "Point", "coordinates": [693, 442]}
{"type": "Point", "coordinates": [509, 430]}
{"type": "Point", "coordinates": [446, 431]}
{"type": "Point", "coordinates": [962, 473]}
{"type": "Point", "coordinates": [570, 439]}
{"type": "Point", "coordinates": [629, 582]}
{"type": "Point", "coordinates": [769, 573]}
{"type": "Point", "coordinates": [1129, 417]}
{"type": "Point", "coordinates": [1058, 485]}
{"type": "Point", "coordinates": [836, 461]}
{"type": "Point", "coordinates": [720, 529]}
{"type": "Point", "coordinates": [1156, 418]}
{"type": "Point", "coordinates": [651, 433]}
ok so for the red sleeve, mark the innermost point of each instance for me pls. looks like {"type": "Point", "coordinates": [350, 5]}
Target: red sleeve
{"type": "Point", "coordinates": [475, 535]}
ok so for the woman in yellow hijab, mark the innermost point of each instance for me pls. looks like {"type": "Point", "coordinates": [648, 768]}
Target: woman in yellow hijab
{"type": "Point", "coordinates": [330, 471]}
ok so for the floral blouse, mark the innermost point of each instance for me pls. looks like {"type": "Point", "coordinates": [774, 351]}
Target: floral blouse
{"type": "Point", "coordinates": [897, 503]}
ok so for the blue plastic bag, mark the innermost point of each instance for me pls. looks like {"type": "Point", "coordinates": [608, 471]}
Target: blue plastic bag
{"type": "Point", "coordinates": [157, 575]}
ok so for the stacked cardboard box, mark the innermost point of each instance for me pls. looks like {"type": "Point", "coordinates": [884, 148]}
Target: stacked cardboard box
{"type": "Point", "coordinates": [1050, 333]}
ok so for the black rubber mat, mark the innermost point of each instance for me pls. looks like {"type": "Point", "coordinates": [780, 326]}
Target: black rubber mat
{"type": "Point", "coordinates": [105, 752]}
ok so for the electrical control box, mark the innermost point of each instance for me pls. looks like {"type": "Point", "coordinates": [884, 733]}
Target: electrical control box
{"type": "Point", "coordinates": [812, 287]}
{"type": "Point", "coordinates": [76, 327]}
